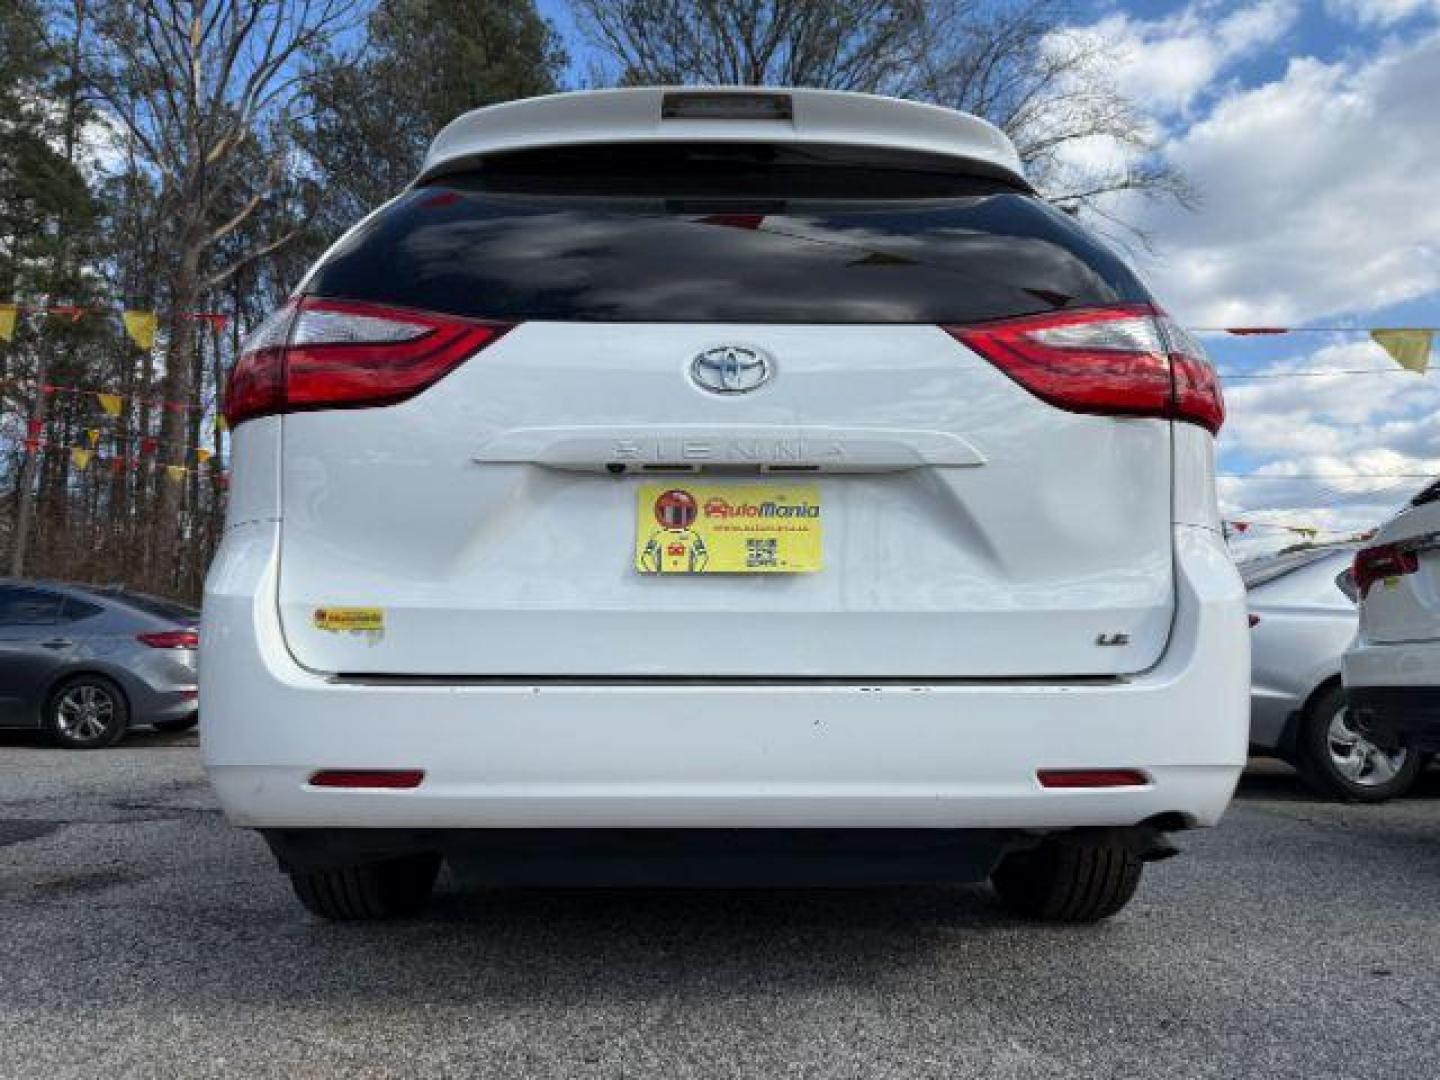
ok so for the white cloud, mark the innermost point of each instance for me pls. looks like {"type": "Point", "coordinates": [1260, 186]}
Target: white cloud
{"type": "Point", "coordinates": [1163, 64]}
{"type": "Point", "coordinates": [1339, 452]}
{"type": "Point", "coordinates": [1319, 194]}
{"type": "Point", "coordinates": [1382, 12]}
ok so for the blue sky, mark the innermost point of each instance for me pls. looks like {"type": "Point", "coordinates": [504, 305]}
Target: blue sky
{"type": "Point", "coordinates": [1312, 130]}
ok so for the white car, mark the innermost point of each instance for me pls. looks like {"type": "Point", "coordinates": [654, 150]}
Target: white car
{"type": "Point", "coordinates": [718, 486]}
{"type": "Point", "coordinates": [1392, 671]}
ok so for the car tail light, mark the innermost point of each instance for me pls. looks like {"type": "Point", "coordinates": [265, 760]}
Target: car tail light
{"type": "Point", "coordinates": [1373, 564]}
{"type": "Point", "coordinates": [341, 354]}
{"type": "Point", "coordinates": [368, 778]}
{"type": "Point", "coordinates": [1129, 360]}
{"type": "Point", "coordinates": [1091, 778]}
{"type": "Point", "coordinates": [170, 639]}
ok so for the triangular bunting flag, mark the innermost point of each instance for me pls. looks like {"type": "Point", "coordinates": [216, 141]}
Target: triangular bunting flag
{"type": "Point", "coordinates": [175, 472]}
{"type": "Point", "coordinates": [80, 457]}
{"type": "Point", "coordinates": [221, 424]}
{"type": "Point", "coordinates": [1408, 348]}
{"type": "Point", "coordinates": [8, 314]}
{"type": "Point", "coordinates": [110, 403]}
{"type": "Point", "coordinates": [93, 436]}
{"type": "Point", "coordinates": [140, 325]}
{"type": "Point", "coordinates": [147, 445]}
{"type": "Point", "coordinates": [202, 455]}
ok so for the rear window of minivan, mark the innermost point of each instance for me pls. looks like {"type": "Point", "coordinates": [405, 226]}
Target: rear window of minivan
{"type": "Point", "coordinates": [724, 234]}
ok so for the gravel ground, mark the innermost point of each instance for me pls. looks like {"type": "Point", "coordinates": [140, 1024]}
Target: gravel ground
{"type": "Point", "coordinates": [141, 936]}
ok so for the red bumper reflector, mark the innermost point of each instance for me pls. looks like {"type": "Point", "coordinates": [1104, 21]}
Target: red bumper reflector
{"type": "Point", "coordinates": [1091, 778]}
{"type": "Point", "coordinates": [368, 778]}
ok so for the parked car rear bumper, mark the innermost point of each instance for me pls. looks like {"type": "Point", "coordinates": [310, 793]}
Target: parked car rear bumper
{"type": "Point", "coordinates": [668, 755]}
{"type": "Point", "coordinates": [1399, 716]}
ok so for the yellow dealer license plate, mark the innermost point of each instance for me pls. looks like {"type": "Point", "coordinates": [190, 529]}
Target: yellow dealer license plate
{"type": "Point", "coordinates": [727, 529]}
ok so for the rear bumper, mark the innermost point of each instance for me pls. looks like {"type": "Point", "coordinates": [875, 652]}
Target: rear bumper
{"type": "Point", "coordinates": [1399, 716]}
{"type": "Point", "coordinates": [744, 756]}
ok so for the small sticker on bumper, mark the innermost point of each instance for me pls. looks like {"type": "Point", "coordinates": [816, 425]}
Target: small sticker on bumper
{"type": "Point", "coordinates": [367, 622]}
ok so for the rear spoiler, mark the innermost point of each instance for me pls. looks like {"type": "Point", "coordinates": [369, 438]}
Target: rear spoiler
{"type": "Point", "coordinates": [723, 114]}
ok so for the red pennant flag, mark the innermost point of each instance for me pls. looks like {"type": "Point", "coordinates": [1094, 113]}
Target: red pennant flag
{"type": "Point", "coordinates": [147, 445]}
{"type": "Point", "coordinates": [217, 320]}
{"type": "Point", "coordinates": [33, 428]}
{"type": "Point", "coordinates": [32, 445]}
{"type": "Point", "coordinates": [117, 465]}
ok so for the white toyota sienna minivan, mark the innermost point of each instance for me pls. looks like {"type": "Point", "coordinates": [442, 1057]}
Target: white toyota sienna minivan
{"type": "Point", "coordinates": [722, 486]}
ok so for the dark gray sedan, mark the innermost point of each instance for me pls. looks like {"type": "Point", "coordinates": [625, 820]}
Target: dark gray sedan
{"type": "Point", "coordinates": [85, 663]}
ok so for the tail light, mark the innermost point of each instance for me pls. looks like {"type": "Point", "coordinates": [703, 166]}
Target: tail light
{"type": "Point", "coordinates": [170, 639]}
{"type": "Point", "coordinates": [1382, 561]}
{"type": "Point", "coordinates": [1129, 360]}
{"type": "Point", "coordinates": [341, 354]}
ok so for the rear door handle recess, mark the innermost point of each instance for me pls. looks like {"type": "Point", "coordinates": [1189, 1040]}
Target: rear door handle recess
{"type": "Point", "coordinates": [56, 643]}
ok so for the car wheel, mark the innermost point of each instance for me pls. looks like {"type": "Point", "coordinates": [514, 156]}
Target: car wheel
{"type": "Point", "coordinates": [382, 890]}
{"type": "Point", "coordinates": [1337, 760]}
{"type": "Point", "coordinates": [1068, 880]}
{"type": "Point", "coordinates": [86, 713]}
{"type": "Point", "coordinates": [185, 723]}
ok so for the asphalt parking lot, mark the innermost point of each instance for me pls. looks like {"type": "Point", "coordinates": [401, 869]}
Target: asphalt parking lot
{"type": "Point", "coordinates": [140, 935]}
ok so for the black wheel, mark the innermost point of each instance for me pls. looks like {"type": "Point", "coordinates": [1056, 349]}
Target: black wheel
{"type": "Point", "coordinates": [381, 890]}
{"type": "Point", "coordinates": [86, 712]}
{"type": "Point", "coordinates": [185, 723]}
{"type": "Point", "coordinates": [1068, 879]}
{"type": "Point", "coordinates": [1336, 760]}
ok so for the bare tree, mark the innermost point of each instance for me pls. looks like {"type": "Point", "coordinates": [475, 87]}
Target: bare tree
{"type": "Point", "coordinates": [195, 84]}
{"type": "Point", "coordinates": [840, 44]}
{"type": "Point", "coordinates": [1049, 88]}
{"type": "Point", "coordinates": [1014, 62]}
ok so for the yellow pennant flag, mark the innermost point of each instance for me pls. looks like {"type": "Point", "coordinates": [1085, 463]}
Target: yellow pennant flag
{"type": "Point", "coordinates": [110, 403]}
{"type": "Point", "coordinates": [221, 424]}
{"type": "Point", "coordinates": [175, 472]}
{"type": "Point", "coordinates": [202, 455]}
{"type": "Point", "coordinates": [1408, 348]}
{"type": "Point", "coordinates": [93, 435]}
{"type": "Point", "coordinates": [8, 314]}
{"type": "Point", "coordinates": [80, 458]}
{"type": "Point", "coordinates": [140, 325]}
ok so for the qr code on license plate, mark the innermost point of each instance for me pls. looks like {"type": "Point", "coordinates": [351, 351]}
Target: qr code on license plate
{"type": "Point", "coordinates": [761, 552]}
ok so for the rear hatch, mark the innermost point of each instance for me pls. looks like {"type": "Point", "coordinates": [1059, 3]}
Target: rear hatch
{"type": "Point", "coordinates": [640, 353]}
{"type": "Point", "coordinates": [1399, 576]}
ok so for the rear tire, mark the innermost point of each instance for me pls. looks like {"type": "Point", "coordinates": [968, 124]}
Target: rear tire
{"type": "Point", "coordinates": [1068, 880]}
{"type": "Point", "coordinates": [86, 712]}
{"type": "Point", "coordinates": [382, 890]}
{"type": "Point", "coordinates": [1337, 761]}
